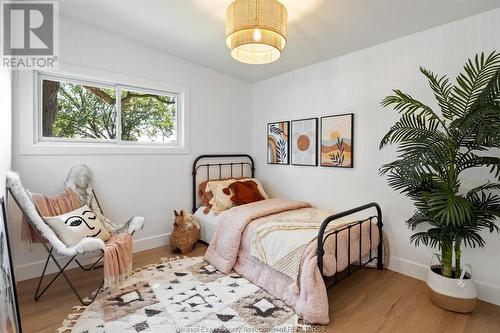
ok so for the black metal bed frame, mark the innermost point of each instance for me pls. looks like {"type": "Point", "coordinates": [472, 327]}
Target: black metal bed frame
{"type": "Point", "coordinates": [323, 235]}
{"type": "Point", "coordinates": [61, 267]}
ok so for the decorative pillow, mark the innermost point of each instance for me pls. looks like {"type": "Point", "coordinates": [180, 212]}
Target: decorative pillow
{"type": "Point", "coordinates": [220, 201]}
{"type": "Point", "coordinates": [76, 225]}
{"type": "Point", "coordinates": [206, 194]}
{"type": "Point", "coordinates": [244, 192]}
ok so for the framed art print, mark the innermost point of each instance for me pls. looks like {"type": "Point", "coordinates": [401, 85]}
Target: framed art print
{"type": "Point", "coordinates": [304, 142]}
{"type": "Point", "coordinates": [337, 141]}
{"type": "Point", "coordinates": [278, 142]}
{"type": "Point", "coordinates": [9, 310]}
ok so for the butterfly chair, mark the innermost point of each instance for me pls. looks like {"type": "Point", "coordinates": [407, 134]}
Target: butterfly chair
{"type": "Point", "coordinates": [80, 181]}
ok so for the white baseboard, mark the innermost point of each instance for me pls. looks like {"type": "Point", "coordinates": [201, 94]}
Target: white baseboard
{"type": "Point", "coordinates": [151, 242]}
{"type": "Point", "coordinates": [486, 292]}
{"type": "Point", "coordinates": [34, 269]}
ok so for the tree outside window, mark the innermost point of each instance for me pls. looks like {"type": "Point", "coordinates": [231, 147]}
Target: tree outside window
{"type": "Point", "coordinates": [81, 111]}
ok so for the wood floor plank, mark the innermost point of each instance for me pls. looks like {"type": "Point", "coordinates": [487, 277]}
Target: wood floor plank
{"type": "Point", "coordinates": [368, 301]}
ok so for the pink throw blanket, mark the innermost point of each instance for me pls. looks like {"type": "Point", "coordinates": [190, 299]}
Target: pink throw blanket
{"type": "Point", "coordinates": [117, 259]}
{"type": "Point", "coordinates": [231, 247]}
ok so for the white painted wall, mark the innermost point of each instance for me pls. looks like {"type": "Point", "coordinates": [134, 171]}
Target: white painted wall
{"type": "Point", "coordinates": [5, 125]}
{"type": "Point", "coordinates": [148, 185]}
{"type": "Point", "coordinates": [356, 83]}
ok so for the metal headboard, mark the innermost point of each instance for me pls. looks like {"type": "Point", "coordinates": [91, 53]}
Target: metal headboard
{"type": "Point", "coordinates": [234, 165]}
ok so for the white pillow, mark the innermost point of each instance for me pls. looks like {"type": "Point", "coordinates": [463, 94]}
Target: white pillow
{"type": "Point", "coordinates": [73, 226]}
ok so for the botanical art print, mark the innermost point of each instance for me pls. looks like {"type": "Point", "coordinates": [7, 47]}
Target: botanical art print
{"type": "Point", "coordinates": [277, 142]}
{"type": "Point", "coordinates": [304, 142]}
{"type": "Point", "coordinates": [337, 141]}
{"type": "Point", "coordinates": [9, 313]}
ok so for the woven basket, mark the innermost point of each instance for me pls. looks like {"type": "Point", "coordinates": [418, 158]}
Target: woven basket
{"type": "Point", "coordinates": [183, 239]}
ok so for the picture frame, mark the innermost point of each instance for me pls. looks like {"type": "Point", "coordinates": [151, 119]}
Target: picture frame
{"type": "Point", "coordinates": [278, 143]}
{"type": "Point", "coordinates": [337, 141]}
{"type": "Point", "coordinates": [10, 321]}
{"type": "Point", "coordinates": [304, 142]}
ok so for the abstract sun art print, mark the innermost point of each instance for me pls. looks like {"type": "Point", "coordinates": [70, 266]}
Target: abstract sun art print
{"type": "Point", "coordinates": [304, 142]}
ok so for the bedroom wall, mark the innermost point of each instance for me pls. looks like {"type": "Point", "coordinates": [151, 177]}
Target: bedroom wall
{"type": "Point", "coordinates": [148, 185]}
{"type": "Point", "coordinates": [5, 125]}
{"type": "Point", "coordinates": [356, 83]}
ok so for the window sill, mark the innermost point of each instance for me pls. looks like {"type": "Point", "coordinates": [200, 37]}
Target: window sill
{"type": "Point", "coordinates": [61, 148]}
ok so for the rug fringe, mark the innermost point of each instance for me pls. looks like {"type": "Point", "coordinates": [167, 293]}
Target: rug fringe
{"type": "Point", "coordinates": [67, 326]}
{"type": "Point", "coordinates": [71, 319]}
{"type": "Point", "coordinates": [79, 307]}
{"type": "Point", "coordinates": [169, 259]}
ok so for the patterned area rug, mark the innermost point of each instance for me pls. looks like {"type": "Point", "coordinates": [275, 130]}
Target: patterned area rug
{"type": "Point", "coordinates": [184, 295]}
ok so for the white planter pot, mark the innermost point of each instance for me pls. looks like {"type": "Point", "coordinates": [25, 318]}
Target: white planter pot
{"type": "Point", "coordinates": [458, 295]}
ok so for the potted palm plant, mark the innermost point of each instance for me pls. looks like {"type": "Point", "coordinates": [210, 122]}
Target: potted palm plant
{"type": "Point", "coordinates": [435, 149]}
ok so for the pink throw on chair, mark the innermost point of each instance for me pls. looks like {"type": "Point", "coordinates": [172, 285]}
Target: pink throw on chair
{"type": "Point", "coordinates": [117, 259]}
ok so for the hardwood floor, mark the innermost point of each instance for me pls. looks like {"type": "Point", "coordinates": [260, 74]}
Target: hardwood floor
{"type": "Point", "coordinates": [369, 301]}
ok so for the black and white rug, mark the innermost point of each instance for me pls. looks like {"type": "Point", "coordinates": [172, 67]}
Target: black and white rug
{"type": "Point", "coordinates": [184, 295]}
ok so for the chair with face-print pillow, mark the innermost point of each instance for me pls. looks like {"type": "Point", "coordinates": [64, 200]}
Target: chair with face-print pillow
{"type": "Point", "coordinates": [79, 183]}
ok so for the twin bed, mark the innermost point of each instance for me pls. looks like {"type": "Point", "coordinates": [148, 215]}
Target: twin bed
{"type": "Point", "coordinates": [291, 250]}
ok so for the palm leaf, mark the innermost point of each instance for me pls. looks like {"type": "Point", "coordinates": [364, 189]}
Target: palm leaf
{"type": "Point", "coordinates": [442, 91]}
{"type": "Point", "coordinates": [418, 218]}
{"type": "Point", "coordinates": [411, 127]}
{"type": "Point", "coordinates": [480, 128]}
{"type": "Point", "coordinates": [449, 208]}
{"type": "Point", "coordinates": [484, 187]}
{"type": "Point", "coordinates": [472, 83]}
{"type": "Point", "coordinates": [470, 160]}
{"type": "Point", "coordinates": [405, 104]}
{"type": "Point", "coordinates": [491, 93]}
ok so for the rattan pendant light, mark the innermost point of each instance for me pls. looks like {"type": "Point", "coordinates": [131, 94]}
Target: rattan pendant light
{"type": "Point", "coordinates": [256, 30]}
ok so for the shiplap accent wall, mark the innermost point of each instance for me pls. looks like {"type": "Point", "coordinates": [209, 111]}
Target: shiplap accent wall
{"type": "Point", "coordinates": [148, 185]}
{"type": "Point", "coordinates": [356, 83]}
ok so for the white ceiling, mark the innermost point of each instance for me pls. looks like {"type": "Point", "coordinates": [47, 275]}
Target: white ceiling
{"type": "Point", "coordinates": [317, 29]}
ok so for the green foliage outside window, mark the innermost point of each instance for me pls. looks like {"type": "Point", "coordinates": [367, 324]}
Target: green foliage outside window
{"type": "Point", "coordinates": [86, 112]}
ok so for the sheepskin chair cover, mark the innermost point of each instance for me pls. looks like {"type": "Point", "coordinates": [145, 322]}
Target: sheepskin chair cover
{"type": "Point", "coordinates": [27, 206]}
{"type": "Point", "coordinates": [80, 180]}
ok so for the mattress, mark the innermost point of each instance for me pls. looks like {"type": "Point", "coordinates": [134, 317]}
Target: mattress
{"type": "Point", "coordinates": [208, 224]}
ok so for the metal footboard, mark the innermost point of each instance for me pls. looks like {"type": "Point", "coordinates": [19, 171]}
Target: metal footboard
{"type": "Point", "coordinates": [322, 239]}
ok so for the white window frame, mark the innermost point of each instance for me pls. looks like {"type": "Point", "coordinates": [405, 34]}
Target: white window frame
{"type": "Point", "coordinates": [56, 145]}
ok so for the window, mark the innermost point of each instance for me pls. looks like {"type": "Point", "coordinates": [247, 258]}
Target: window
{"type": "Point", "coordinates": [81, 111]}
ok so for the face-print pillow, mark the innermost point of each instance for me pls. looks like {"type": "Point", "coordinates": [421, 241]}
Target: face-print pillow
{"type": "Point", "coordinates": [76, 225]}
